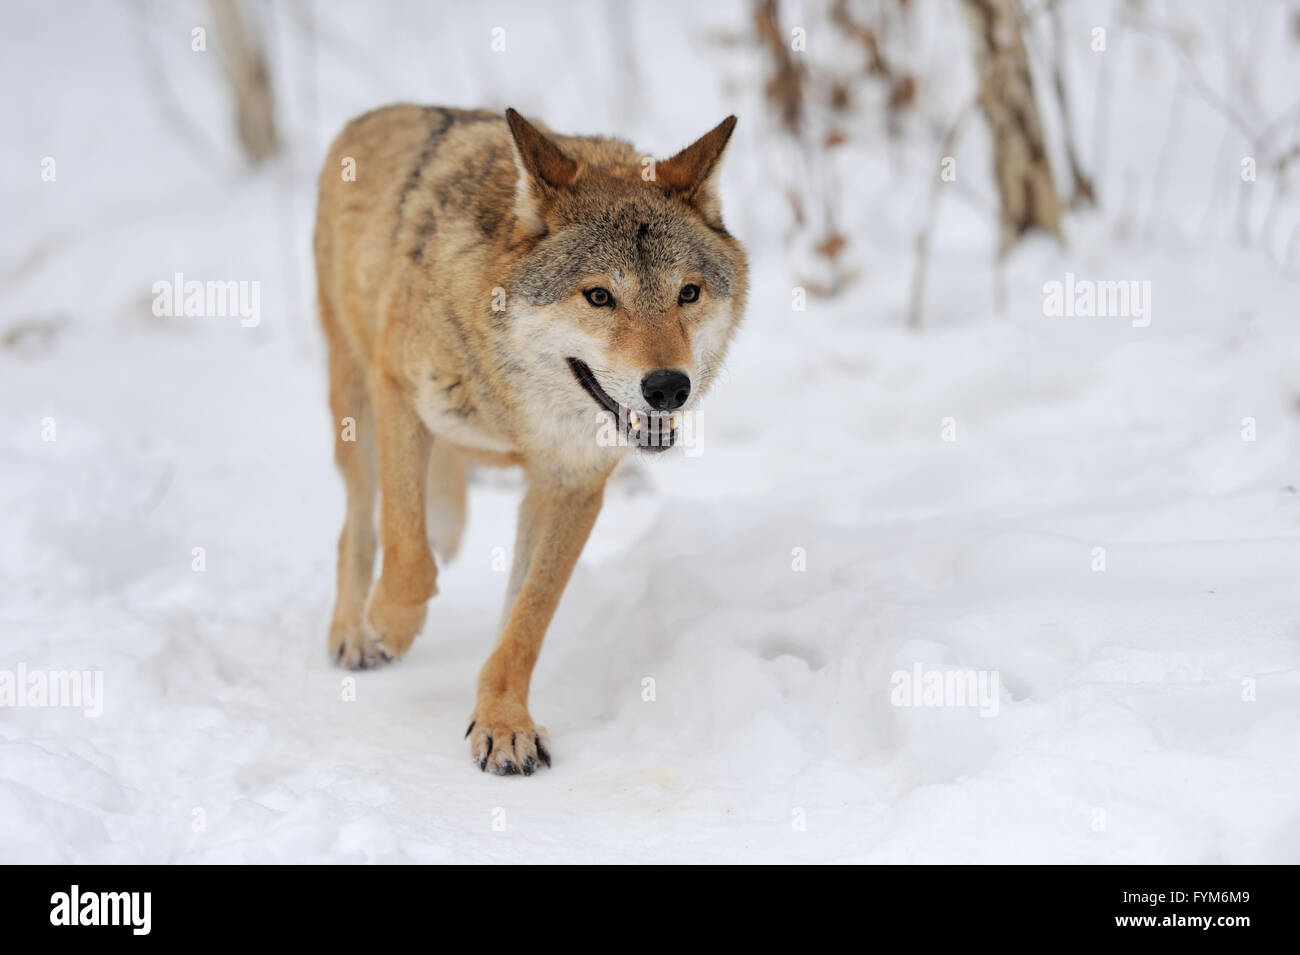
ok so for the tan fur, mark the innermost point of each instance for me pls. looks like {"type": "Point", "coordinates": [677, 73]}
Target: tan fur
{"type": "Point", "coordinates": [451, 275]}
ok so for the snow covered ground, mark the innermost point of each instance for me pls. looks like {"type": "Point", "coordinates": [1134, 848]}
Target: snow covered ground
{"type": "Point", "coordinates": [942, 494]}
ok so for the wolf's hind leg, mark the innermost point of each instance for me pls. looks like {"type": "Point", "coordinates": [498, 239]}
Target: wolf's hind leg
{"type": "Point", "coordinates": [354, 452]}
{"type": "Point", "coordinates": [445, 496]}
{"type": "Point", "coordinates": [408, 577]}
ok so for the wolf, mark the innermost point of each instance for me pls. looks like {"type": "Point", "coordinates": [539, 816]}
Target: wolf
{"type": "Point", "coordinates": [494, 293]}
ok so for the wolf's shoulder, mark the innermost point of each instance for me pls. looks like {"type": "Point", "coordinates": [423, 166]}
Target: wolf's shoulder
{"type": "Point", "coordinates": [407, 116]}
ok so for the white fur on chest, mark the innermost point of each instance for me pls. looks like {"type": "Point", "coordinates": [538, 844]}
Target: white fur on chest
{"type": "Point", "coordinates": [443, 412]}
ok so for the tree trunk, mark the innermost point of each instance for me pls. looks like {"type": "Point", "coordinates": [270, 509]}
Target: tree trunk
{"type": "Point", "coordinates": [1084, 193]}
{"type": "Point", "coordinates": [250, 80]}
{"type": "Point", "coordinates": [1027, 194]}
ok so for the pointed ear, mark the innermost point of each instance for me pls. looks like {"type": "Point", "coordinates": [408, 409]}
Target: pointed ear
{"type": "Point", "coordinates": [539, 158]}
{"type": "Point", "coordinates": [690, 172]}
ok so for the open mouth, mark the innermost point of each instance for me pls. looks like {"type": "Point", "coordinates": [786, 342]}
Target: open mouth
{"type": "Point", "coordinates": [650, 432]}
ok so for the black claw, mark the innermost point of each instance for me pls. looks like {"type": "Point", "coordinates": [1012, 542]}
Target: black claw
{"type": "Point", "coordinates": [482, 764]}
{"type": "Point", "coordinates": [471, 728]}
{"type": "Point", "coordinates": [508, 768]}
{"type": "Point", "coordinates": [530, 766]}
{"type": "Point", "coordinates": [542, 754]}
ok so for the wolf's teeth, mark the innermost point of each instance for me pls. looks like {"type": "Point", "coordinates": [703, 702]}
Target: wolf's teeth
{"type": "Point", "coordinates": [634, 419]}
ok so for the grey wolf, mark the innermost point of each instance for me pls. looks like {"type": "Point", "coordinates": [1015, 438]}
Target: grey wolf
{"type": "Point", "coordinates": [490, 289]}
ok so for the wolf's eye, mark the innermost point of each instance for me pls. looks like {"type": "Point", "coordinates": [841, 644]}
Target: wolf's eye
{"type": "Point", "coordinates": [599, 297]}
{"type": "Point", "coordinates": [689, 293]}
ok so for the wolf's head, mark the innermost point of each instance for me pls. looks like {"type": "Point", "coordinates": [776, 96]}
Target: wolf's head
{"type": "Point", "coordinates": [628, 287]}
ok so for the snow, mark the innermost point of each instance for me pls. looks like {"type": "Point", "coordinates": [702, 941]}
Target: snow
{"type": "Point", "coordinates": [1147, 712]}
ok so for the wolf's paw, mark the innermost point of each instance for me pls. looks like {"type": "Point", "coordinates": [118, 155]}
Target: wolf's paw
{"type": "Point", "coordinates": [355, 649]}
{"type": "Point", "coordinates": [504, 740]}
{"type": "Point", "coordinates": [393, 627]}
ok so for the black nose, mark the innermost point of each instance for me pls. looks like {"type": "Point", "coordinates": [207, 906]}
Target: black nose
{"type": "Point", "coordinates": [666, 390]}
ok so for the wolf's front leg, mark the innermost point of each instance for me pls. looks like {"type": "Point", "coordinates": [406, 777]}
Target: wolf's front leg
{"type": "Point", "coordinates": [553, 526]}
{"type": "Point", "coordinates": [408, 577]}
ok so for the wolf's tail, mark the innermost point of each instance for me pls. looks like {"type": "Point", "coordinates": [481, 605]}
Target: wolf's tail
{"type": "Point", "coordinates": [444, 498]}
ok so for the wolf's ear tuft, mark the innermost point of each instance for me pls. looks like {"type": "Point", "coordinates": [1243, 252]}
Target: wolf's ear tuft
{"type": "Point", "coordinates": [690, 172]}
{"type": "Point", "coordinates": [539, 158]}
